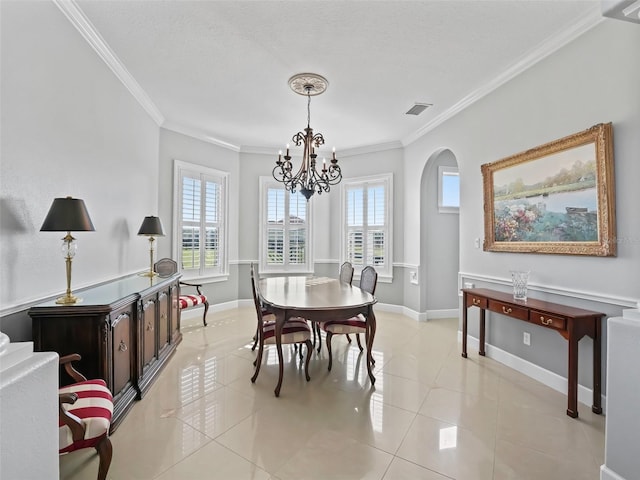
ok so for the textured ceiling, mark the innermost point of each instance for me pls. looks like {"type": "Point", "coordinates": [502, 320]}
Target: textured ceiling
{"type": "Point", "coordinates": [221, 67]}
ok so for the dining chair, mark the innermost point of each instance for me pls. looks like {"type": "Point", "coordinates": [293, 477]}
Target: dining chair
{"type": "Point", "coordinates": [355, 325]}
{"type": "Point", "coordinates": [84, 415]}
{"type": "Point", "coordinates": [345, 276]}
{"type": "Point", "coordinates": [166, 267]}
{"type": "Point", "coordinates": [295, 331]}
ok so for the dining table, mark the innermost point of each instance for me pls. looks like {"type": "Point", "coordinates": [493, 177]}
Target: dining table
{"type": "Point", "coordinates": [317, 299]}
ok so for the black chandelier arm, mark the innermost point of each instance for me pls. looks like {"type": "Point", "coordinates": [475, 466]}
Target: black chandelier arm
{"type": "Point", "coordinates": [334, 175]}
{"type": "Point", "coordinates": [298, 138]}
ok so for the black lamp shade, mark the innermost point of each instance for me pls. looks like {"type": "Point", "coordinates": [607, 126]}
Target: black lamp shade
{"type": "Point", "coordinates": [151, 226]}
{"type": "Point", "coordinates": [67, 215]}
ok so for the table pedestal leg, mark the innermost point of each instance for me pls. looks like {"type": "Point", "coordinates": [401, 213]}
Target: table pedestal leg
{"type": "Point", "coordinates": [371, 326]}
{"type": "Point", "coordinates": [280, 319]}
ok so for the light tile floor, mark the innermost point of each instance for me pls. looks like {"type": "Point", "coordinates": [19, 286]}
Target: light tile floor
{"type": "Point", "coordinates": [432, 414]}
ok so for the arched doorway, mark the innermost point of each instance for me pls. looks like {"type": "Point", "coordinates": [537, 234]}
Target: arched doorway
{"type": "Point", "coordinates": [439, 242]}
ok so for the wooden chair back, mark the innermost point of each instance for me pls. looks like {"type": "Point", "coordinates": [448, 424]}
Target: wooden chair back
{"type": "Point", "coordinates": [369, 280]}
{"type": "Point", "coordinates": [346, 273]}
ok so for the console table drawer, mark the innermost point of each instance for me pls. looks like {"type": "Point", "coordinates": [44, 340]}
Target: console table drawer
{"type": "Point", "coordinates": [510, 310]}
{"type": "Point", "coordinates": [546, 320]}
{"type": "Point", "coordinates": [475, 301]}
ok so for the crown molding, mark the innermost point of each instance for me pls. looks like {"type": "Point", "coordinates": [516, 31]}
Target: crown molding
{"type": "Point", "coordinates": [365, 149]}
{"type": "Point", "coordinates": [349, 152]}
{"type": "Point", "coordinates": [199, 135]}
{"type": "Point", "coordinates": [584, 24]}
{"type": "Point", "coordinates": [78, 19]}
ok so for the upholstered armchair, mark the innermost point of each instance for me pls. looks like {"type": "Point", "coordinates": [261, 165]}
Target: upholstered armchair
{"type": "Point", "coordinates": [86, 407]}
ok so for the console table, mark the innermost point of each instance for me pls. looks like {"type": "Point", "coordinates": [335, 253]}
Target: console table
{"type": "Point", "coordinates": [125, 330]}
{"type": "Point", "coordinates": [572, 323]}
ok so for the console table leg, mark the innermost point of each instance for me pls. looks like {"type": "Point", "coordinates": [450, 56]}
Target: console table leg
{"type": "Point", "coordinates": [597, 366]}
{"type": "Point", "coordinates": [572, 388]}
{"type": "Point", "coordinates": [464, 326]}
{"type": "Point", "coordinates": [482, 331]}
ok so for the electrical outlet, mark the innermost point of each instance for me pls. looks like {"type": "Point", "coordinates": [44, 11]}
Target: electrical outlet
{"type": "Point", "coordinates": [476, 242]}
{"type": "Point", "coordinates": [468, 285]}
{"type": "Point", "coordinates": [526, 338]}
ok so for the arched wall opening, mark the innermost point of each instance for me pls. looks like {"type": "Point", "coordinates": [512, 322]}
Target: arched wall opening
{"type": "Point", "coordinates": [439, 243]}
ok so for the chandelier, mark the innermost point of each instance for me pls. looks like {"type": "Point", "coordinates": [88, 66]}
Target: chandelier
{"type": "Point", "coordinates": [308, 180]}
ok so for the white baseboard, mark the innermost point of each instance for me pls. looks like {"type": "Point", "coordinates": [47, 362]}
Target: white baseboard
{"type": "Point", "coordinates": [607, 474]}
{"type": "Point", "coordinates": [542, 375]}
{"type": "Point", "coordinates": [446, 313]}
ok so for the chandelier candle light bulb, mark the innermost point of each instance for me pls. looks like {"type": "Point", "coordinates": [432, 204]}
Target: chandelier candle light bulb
{"type": "Point", "coordinates": [307, 180]}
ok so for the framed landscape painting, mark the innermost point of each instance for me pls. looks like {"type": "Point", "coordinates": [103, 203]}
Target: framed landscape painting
{"type": "Point", "coordinates": [556, 198]}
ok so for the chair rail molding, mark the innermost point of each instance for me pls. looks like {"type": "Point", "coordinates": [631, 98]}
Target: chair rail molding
{"type": "Point", "coordinates": [550, 289]}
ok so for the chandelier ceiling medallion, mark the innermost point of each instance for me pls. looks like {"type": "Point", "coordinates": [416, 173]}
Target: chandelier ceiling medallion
{"type": "Point", "coordinates": [308, 180]}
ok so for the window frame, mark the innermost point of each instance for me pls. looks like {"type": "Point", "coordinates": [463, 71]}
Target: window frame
{"type": "Point", "coordinates": [183, 169]}
{"type": "Point", "coordinates": [384, 274]}
{"type": "Point", "coordinates": [266, 268]}
{"type": "Point", "coordinates": [442, 171]}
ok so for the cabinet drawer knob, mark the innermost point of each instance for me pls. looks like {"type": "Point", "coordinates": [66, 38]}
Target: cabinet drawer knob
{"type": "Point", "coordinates": [506, 310]}
{"type": "Point", "coordinates": [546, 321]}
{"type": "Point", "coordinates": [476, 301]}
{"type": "Point", "coordinates": [123, 346]}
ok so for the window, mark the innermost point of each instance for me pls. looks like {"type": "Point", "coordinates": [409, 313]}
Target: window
{"type": "Point", "coordinates": [448, 190]}
{"type": "Point", "coordinates": [367, 208]}
{"type": "Point", "coordinates": [200, 224]}
{"type": "Point", "coordinates": [285, 231]}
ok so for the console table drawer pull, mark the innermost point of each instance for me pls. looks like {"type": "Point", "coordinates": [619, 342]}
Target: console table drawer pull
{"type": "Point", "coordinates": [123, 346]}
{"type": "Point", "coordinates": [476, 301]}
{"type": "Point", "coordinates": [546, 321]}
{"type": "Point", "coordinates": [507, 310]}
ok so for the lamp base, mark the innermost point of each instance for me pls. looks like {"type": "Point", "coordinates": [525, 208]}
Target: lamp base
{"type": "Point", "coordinates": [148, 274]}
{"type": "Point", "coordinates": [68, 300]}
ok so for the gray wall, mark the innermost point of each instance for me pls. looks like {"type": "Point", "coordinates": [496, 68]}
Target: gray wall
{"type": "Point", "coordinates": [69, 127]}
{"type": "Point", "coordinates": [176, 146]}
{"type": "Point", "coordinates": [594, 79]}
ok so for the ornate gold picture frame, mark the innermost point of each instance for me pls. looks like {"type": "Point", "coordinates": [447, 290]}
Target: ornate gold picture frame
{"type": "Point", "coordinates": [557, 198]}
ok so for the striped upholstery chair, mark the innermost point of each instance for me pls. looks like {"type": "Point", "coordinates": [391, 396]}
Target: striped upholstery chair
{"type": "Point", "coordinates": [356, 325]}
{"type": "Point", "coordinates": [166, 267]}
{"type": "Point", "coordinates": [85, 414]}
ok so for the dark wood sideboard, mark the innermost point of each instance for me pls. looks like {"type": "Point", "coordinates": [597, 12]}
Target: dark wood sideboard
{"type": "Point", "coordinates": [125, 330]}
{"type": "Point", "coordinates": [570, 322]}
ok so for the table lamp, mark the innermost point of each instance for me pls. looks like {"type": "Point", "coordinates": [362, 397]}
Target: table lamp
{"type": "Point", "coordinates": [151, 227]}
{"type": "Point", "coordinates": [67, 215]}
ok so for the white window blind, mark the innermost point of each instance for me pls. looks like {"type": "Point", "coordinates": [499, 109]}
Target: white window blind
{"type": "Point", "coordinates": [367, 223]}
{"type": "Point", "coordinates": [285, 226]}
{"type": "Point", "coordinates": [200, 198]}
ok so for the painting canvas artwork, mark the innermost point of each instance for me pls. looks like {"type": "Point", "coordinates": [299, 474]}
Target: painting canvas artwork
{"type": "Point", "coordinates": [556, 198]}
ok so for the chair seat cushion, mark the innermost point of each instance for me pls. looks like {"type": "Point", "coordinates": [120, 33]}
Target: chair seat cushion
{"type": "Point", "coordinates": [296, 330]}
{"type": "Point", "coordinates": [93, 408]}
{"type": "Point", "coordinates": [187, 301]}
{"type": "Point", "coordinates": [351, 325]}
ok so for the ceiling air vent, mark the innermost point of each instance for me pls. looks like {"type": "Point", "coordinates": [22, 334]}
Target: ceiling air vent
{"type": "Point", "coordinates": [418, 108]}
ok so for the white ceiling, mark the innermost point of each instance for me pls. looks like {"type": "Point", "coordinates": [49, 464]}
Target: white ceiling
{"type": "Point", "coordinates": [219, 69]}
